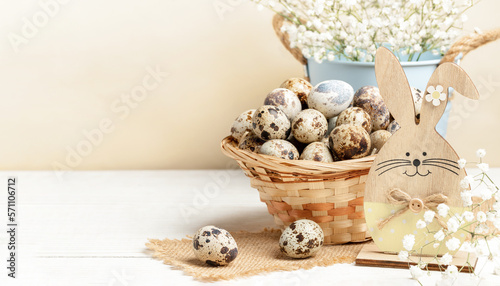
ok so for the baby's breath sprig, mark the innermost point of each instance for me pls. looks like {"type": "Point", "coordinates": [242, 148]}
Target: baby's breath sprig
{"type": "Point", "coordinates": [354, 29]}
{"type": "Point", "coordinates": [480, 219]}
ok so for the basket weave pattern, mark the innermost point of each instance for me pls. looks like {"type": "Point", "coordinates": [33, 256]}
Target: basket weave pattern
{"type": "Point", "coordinates": [330, 194]}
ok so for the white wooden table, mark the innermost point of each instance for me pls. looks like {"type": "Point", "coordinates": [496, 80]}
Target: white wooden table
{"type": "Point", "coordinates": [89, 228]}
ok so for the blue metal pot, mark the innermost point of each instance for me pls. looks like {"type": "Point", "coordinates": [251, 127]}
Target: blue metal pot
{"type": "Point", "coordinates": [359, 74]}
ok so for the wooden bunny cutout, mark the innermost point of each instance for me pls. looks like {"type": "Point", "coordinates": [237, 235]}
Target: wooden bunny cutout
{"type": "Point", "coordinates": [416, 169]}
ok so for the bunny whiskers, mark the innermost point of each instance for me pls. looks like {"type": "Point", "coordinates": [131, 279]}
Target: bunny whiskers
{"type": "Point", "coordinates": [388, 165]}
{"type": "Point", "coordinates": [448, 165]}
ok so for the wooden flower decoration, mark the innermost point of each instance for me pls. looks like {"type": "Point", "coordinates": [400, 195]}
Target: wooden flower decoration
{"type": "Point", "coordinates": [435, 94]}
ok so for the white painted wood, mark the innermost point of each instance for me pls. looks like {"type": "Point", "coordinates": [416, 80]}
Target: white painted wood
{"type": "Point", "coordinates": [89, 227]}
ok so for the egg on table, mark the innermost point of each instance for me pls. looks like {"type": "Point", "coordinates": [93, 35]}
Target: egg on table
{"type": "Point", "coordinates": [368, 98]}
{"type": "Point", "coordinates": [350, 142]}
{"type": "Point", "coordinates": [286, 100]}
{"type": "Point", "coordinates": [302, 238]}
{"type": "Point", "coordinates": [300, 87]}
{"type": "Point", "coordinates": [270, 122]}
{"type": "Point", "coordinates": [251, 142]}
{"type": "Point", "coordinates": [242, 124]}
{"type": "Point", "coordinates": [214, 246]}
{"type": "Point", "coordinates": [378, 139]}
{"type": "Point", "coordinates": [393, 127]}
{"type": "Point", "coordinates": [355, 116]}
{"type": "Point", "coordinates": [309, 126]}
{"type": "Point", "coordinates": [330, 97]}
{"type": "Point", "coordinates": [280, 148]}
{"type": "Point", "coordinates": [317, 151]}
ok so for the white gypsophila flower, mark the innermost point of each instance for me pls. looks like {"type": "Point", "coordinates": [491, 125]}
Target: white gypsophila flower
{"type": "Point", "coordinates": [446, 259]}
{"type": "Point", "coordinates": [468, 216]}
{"type": "Point", "coordinates": [481, 248]}
{"type": "Point", "coordinates": [408, 241]}
{"type": "Point", "coordinates": [462, 163]}
{"type": "Point", "coordinates": [443, 210]}
{"type": "Point", "coordinates": [485, 194]}
{"type": "Point", "coordinates": [429, 27]}
{"type": "Point", "coordinates": [481, 229]}
{"type": "Point", "coordinates": [451, 272]}
{"type": "Point", "coordinates": [421, 224]}
{"type": "Point", "coordinates": [481, 217]}
{"type": "Point", "coordinates": [483, 167]}
{"type": "Point", "coordinates": [436, 245]}
{"type": "Point", "coordinates": [496, 206]}
{"type": "Point", "coordinates": [453, 243]}
{"type": "Point", "coordinates": [453, 224]}
{"type": "Point", "coordinates": [466, 198]}
{"type": "Point", "coordinates": [439, 236]}
{"type": "Point", "coordinates": [429, 216]}
{"type": "Point", "coordinates": [403, 255]}
{"type": "Point", "coordinates": [416, 272]}
{"type": "Point", "coordinates": [481, 153]}
{"type": "Point", "coordinates": [466, 247]}
{"type": "Point", "coordinates": [466, 182]}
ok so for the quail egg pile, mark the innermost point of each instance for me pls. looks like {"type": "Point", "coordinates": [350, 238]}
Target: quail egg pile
{"type": "Point", "coordinates": [325, 123]}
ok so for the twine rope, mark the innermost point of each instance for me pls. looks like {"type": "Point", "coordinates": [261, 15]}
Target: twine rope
{"type": "Point", "coordinates": [469, 43]}
{"type": "Point", "coordinates": [396, 196]}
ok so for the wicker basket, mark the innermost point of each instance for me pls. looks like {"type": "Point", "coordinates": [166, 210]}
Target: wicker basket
{"type": "Point", "coordinates": [330, 194]}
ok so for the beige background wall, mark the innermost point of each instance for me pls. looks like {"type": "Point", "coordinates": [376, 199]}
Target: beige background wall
{"type": "Point", "coordinates": [156, 84]}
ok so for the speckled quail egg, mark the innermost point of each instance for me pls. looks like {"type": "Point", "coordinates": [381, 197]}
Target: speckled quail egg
{"type": "Point", "coordinates": [302, 238]}
{"type": "Point", "coordinates": [286, 100]}
{"type": "Point", "coordinates": [350, 142]}
{"type": "Point", "coordinates": [214, 245]}
{"type": "Point", "coordinates": [393, 127]}
{"type": "Point", "coordinates": [355, 116]}
{"type": "Point", "coordinates": [300, 87]}
{"type": "Point", "coordinates": [270, 122]}
{"type": "Point", "coordinates": [368, 98]}
{"type": "Point", "coordinates": [378, 139]}
{"type": "Point", "coordinates": [242, 124]}
{"type": "Point", "coordinates": [309, 126]}
{"type": "Point", "coordinates": [280, 148]}
{"type": "Point", "coordinates": [417, 101]}
{"type": "Point", "coordinates": [317, 151]}
{"type": "Point", "coordinates": [251, 142]}
{"type": "Point", "coordinates": [330, 97]}
{"type": "Point", "coordinates": [332, 123]}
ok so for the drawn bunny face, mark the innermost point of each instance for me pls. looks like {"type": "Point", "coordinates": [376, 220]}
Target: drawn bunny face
{"type": "Point", "coordinates": [416, 159]}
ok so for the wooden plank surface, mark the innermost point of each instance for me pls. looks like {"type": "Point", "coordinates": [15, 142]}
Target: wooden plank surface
{"type": "Point", "coordinates": [371, 255]}
{"type": "Point", "coordinates": [88, 227]}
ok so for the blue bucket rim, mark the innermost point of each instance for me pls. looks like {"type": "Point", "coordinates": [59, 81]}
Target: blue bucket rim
{"type": "Point", "coordinates": [370, 64]}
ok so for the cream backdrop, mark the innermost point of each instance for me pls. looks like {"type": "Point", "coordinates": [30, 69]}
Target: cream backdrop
{"type": "Point", "coordinates": [156, 84]}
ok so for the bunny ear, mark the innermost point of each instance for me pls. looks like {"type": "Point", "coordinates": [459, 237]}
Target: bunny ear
{"type": "Point", "coordinates": [394, 87]}
{"type": "Point", "coordinates": [436, 94]}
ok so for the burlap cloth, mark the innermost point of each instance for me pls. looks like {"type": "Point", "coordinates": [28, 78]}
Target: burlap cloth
{"type": "Point", "coordinates": [258, 253]}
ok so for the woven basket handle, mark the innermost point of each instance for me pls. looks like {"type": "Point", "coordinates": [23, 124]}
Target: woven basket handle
{"type": "Point", "coordinates": [296, 52]}
{"type": "Point", "coordinates": [469, 43]}
{"type": "Point", "coordinates": [464, 45]}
